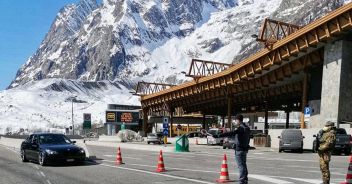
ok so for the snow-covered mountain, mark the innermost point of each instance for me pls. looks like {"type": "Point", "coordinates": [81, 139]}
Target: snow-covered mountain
{"type": "Point", "coordinates": [150, 40]}
{"type": "Point", "coordinates": [47, 103]}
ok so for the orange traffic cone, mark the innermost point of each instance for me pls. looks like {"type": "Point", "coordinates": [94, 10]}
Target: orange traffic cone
{"type": "Point", "coordinates": [161, 166]}
{"type": "Point", "coordinates": [349, 173]}
{"type": "Point", "coordinates": [224, 173]}
{"type": "Point", "coordinates": [197, 141]}
{"type": "Point", "coordinates": [118, 157]}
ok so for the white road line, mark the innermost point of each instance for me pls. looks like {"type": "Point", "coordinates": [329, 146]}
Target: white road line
{"type": "Point", "coordinates": [48, 181]}
{"type": "Point", "coordinates": [254, 176]}
{"type": "Point", "coordinates": [151, 166]}
{"type": "Point", "coordinates": [41, 172]}
{"type": "Point", "coordinates": [268, 179]}
{"type": "Point", "coordinates": [122, 157]}
{"type": "Point", "coordinates": [334, 173]}
{"type": "Point", "coordinates": [158, 174]}
{"type": "Point", "coordinates": [36, 167]}
{"type": "Point", "coordinates": [313, 181]}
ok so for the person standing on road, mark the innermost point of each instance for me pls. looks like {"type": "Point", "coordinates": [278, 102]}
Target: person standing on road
{"type": "Point", "coordinates": [241, 147]}
{"type": "Point", "coordinates": [326, 138]}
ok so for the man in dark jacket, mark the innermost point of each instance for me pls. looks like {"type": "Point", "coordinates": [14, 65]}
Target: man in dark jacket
{"type": "Point", "coordinates": [242, 138]}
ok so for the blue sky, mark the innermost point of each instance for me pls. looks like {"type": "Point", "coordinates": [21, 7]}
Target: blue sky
{"type": "Point", "coordinates": [23, 25]}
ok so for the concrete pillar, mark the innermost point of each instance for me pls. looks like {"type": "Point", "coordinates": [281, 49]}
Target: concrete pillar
{"type": "Point", "coordinates": [145, 121]}
{"type": "Point", "coordinates": [287, 119]}
{"type": "Point", "coordinates": [336, 93]}
{"type": "Point", "coordinates": [171, 122]}
{"type": "Point", "coordinates": [229, 112]}
{"type": "Point", "coordinates": [223, 121]}
{"type": "Point", "coordinates": [304, 98]}
{"type": "Point", "coordinates": [266, 119]}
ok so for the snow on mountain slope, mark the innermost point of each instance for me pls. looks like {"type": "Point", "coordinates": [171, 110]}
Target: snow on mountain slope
{"type": "Point", "coordinates": [132, 40]}
{"type": "Point", "coordinates": [46, 104]}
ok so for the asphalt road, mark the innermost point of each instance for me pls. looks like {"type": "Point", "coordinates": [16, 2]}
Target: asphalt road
{"type": "Point", "coordinates": [202, 165]}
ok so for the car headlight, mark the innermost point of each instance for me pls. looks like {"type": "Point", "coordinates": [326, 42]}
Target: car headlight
{"type": "Point", "coordinates": [50, 152]}
{"type": "Point", "coordinates": [82, 151]}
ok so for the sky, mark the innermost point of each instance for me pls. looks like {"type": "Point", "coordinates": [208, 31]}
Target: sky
{"type": "Point", "coordinates": [23, 25]}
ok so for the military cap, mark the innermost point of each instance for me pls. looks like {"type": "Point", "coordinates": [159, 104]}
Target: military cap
{"type": "Point", "coordinates": [329, 123]}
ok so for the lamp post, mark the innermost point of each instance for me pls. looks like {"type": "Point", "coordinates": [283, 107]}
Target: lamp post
{"type": "Point", "coordinates": [73, 126]}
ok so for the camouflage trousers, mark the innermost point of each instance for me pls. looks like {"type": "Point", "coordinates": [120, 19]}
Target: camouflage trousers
{"type": "Point", "coordinates": [324, 159]}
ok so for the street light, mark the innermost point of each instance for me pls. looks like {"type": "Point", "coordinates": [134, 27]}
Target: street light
{"type": "Point", "coordinates": [73, 126]}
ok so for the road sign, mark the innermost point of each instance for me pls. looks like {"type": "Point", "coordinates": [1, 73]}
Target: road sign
{"type": "Point", "coordinates": [165, 125]}
{"type": "Point", "coordinates": [166, 131]}
{"type": "Point", "coordinates": [165, 120]}
{"type": "Point", "coordinates": [307, 112]}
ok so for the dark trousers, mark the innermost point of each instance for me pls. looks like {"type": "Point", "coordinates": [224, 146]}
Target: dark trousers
{"type": "Point", "coordinates": [241, 159]}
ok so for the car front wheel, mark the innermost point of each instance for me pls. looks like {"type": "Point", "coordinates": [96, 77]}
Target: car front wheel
{"type": "Point", "coordinates": [23, 156]}
{"type": "Point", "coordinates": [42, 159]}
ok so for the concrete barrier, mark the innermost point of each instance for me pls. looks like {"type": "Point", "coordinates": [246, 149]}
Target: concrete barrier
{"type": "Point", "coordinates": [135, 146]}
{"type": "Point", "coordinates": [11, 142]}
{"type": "Point", "coordinates": [104, 138]}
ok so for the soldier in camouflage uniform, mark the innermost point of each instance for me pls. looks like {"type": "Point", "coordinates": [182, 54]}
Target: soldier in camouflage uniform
{"type": "Point", "coordinates": [327, 138]}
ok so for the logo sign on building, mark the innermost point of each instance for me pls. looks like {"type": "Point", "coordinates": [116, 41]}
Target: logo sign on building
{"type": "Point", "coordinates": [110, 117]}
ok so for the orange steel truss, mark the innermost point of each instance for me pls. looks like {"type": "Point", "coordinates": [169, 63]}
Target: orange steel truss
{"type": "Point", "coordinates": [273, 30]}
{"type": "Point", "coordinates": [261, 73]}
{"type": "Point", "coordinates": [145, 88]}
{"type": "Point", "coordinates": [201, 68]}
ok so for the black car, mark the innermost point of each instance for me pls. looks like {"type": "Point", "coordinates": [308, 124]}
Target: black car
{"type": "Point", "coordinates": [47, 148]}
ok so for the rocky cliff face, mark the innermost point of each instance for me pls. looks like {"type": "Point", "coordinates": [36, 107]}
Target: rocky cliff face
{"type": "Point", "coordinates": [156, 39]}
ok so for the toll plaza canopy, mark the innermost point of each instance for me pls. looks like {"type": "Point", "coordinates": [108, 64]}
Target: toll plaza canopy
{"type": "Point", "coordinates": [274, 78]}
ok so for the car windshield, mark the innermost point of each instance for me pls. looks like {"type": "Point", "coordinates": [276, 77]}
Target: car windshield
{"type": "Point", "coordinates": [53, 139]}
{"type": "Point", "coordinates": [340, 131]}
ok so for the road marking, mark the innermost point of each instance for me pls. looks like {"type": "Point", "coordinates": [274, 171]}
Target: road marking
{"type": "Point", "coordinates": [123, 157]}
{"type": "Point", "coordinates": [268, 179]}
{"type": "Point", "coordinates": [48, 181]}
{"type": "Point", "coordinates": [255, 176]}
{"type": "Point", "coordinates": [41, 172]}
{"type": "Point", "coordinates": [36, 167]}
{"type": "Point", "coordinates": [159, 174]}
{"type": "Point", "coordinates": [335, 173]}
{"type": "Point", "coordinates": [151, 166]}
{"type": "Point", "coordinates": [313, 181]}
{"type": "Point", "coordinates": [258, 153]}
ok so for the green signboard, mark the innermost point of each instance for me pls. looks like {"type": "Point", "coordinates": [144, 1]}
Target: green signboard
{"type": "Point", "coordinates": [182, 144]}
{"type": "Point", "coordinates": [87, 121]}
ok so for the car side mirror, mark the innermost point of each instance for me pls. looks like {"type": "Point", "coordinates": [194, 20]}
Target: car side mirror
{"type": "Point", "coordinates": [279, 137]}
{"type": "Point", "coordinates": [304, 137]}
{"type": "Point", "coordinates": [314, 135]}
{"type": "Point", "coordinates": [73, 142]}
